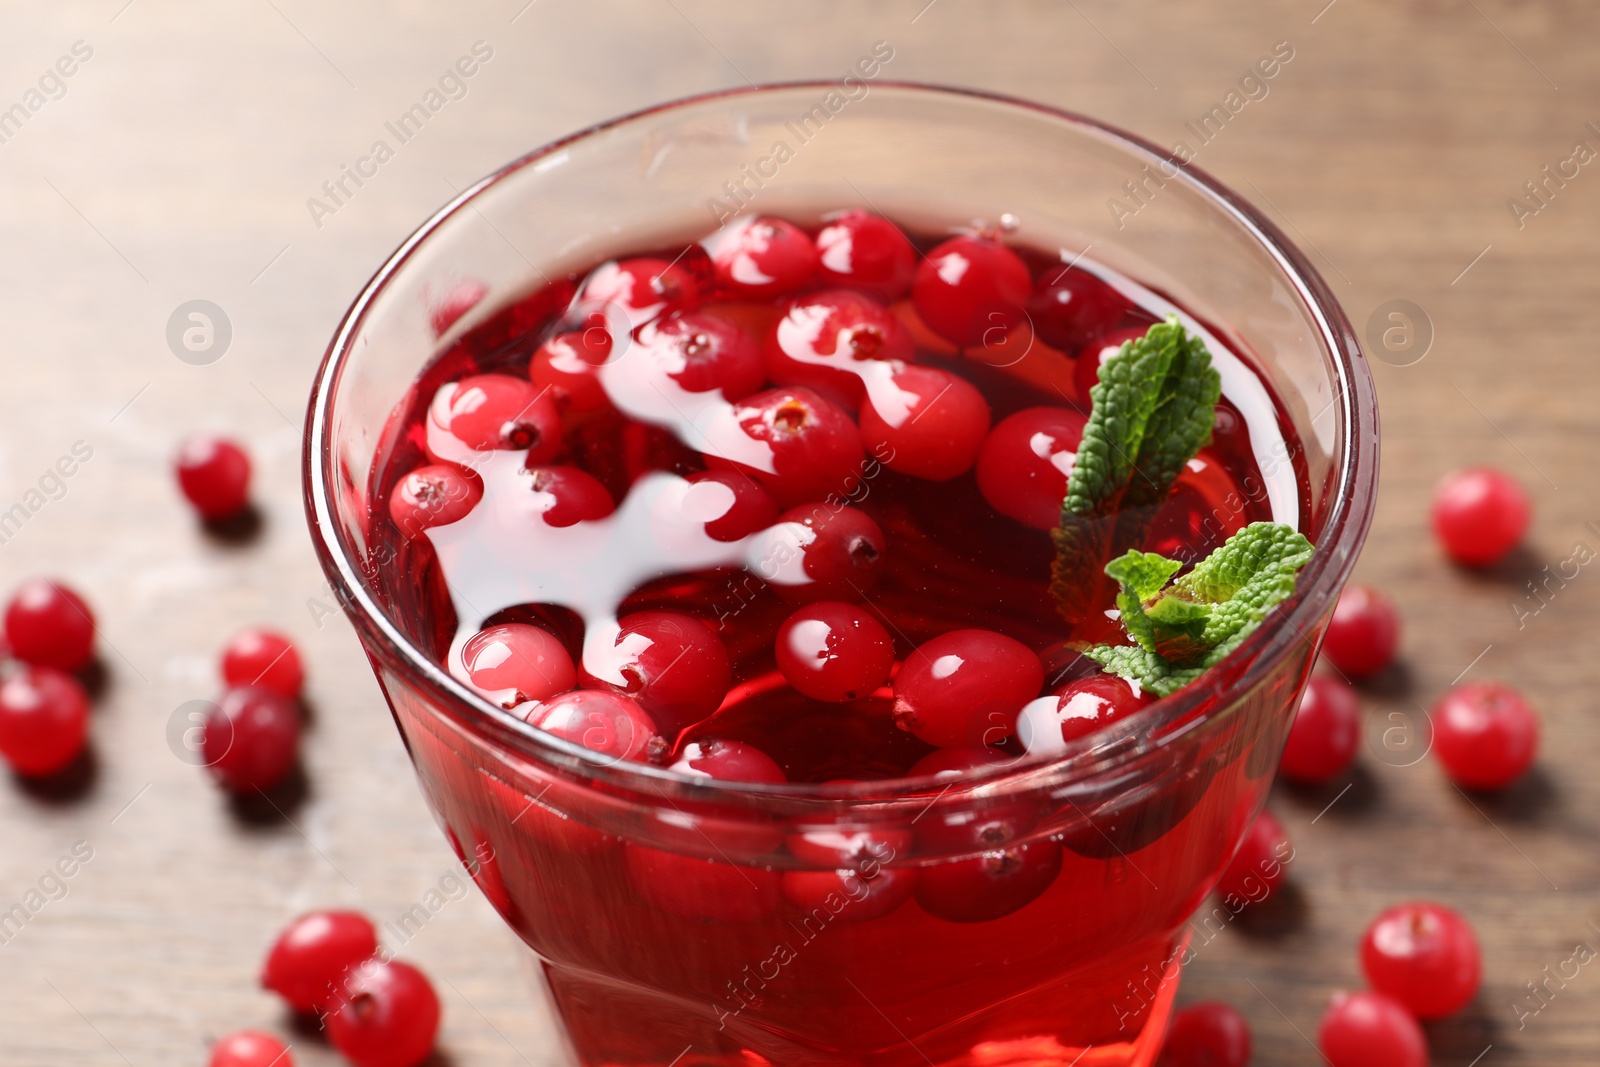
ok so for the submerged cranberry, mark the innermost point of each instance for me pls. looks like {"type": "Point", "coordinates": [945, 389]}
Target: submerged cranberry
{"type": "Point", "coordinates": [815, 449]}
{"type": "Point", "coordinates": [1479, 515]}
{"type": "Point", "coordinates": [1485, 734]}
{"type": "Point", "coordinates": [834, 651]}
{"type": "Point", "coordinates": [740, 512]}
{"type": "Point", "coordinates": [966, 687]}
{"type": "Point", "coordinates": [248, 1048]}
{"type": "Point", "coordinates": [1210, 1034]}
{"type": "Point", "coordinates": [1370, 1030]}
{"type": "Point", "coordinates": [435, 495]}
{"type": "Point", "coordinates": [700, 887]}
{"type": "Point", "coordinates": [264, 658]}
{"type": "Point", "coordinates": [492, 412]}
{"type": "Point", "coordinates": [1363, 632]}
{"type": "Point", "coordinates": [700, 352]}
{"type": "Point", "coordinates": [308, 962]}
{"type": "Point", "coordinates": [860, 250]}
{"type": "Point", "coordinates": [568, 495]}
{"type": "Point", "coordinates": [610, 724]}
{"type": "Point", "coordinates": [762, 257]}
{"type": "Point", "coordinates": [1076, 710]}
{"type": "Point", "coordinates": [930, 424]}
{"type": "Point", "coordinates": [674, 665]}
{"type": "Point", "coordinates": [1425, 956]}
{"type": "Point", "coordinates": [971, 290]}
{"type": "Point", "coordinates": [387, 1016]}
{"type": "Point", "coordinates": [520, 661]}
{"type": "Point", "coordinates": [44, 720]}
{"type": "Point", "coordinates": [49, 625]}
{"type": "Point", "coordinates": [564, 367]}
{"type": "Point", "coordinates": [214, 473]}
{"type": "Point", "coordinates": [817, 552]}
{"type": "Point", "coordinates": [251, 738]}
{"type": "Point", "coordinates": [829, 341]}
{"type": "Point", "coordinates": [728, 761]}
{"type": "Point", "coordinates": [990, 885]}
{"type": "Point", "coordinates": [641, 289]}
{"type": "Point", "coordinates": [1025, 462]}
{"type": "Point", "coordinates": [1071, 308]}
{"type": "Point", "coordinates": [850, 895]}
{"type": "Point", "coordinates": [1326, 732]}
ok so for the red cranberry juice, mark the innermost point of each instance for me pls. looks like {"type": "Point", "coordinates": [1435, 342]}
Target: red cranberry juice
{"type": "Point", "coordinates": [775, 507]}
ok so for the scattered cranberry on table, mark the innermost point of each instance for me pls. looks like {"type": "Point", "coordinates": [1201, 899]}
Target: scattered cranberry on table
{"type": "Point", "coordinates": [1260, 865]}
{"type": "Point", "coordinates": [1363, 633]}
{"type": "Point", "coordinates": [265, 658]}
{"type": "Point", "coordinates": [251, 738]}
{"type": "Point", "coordinates": [1326, 733]}
{"type": "Point", "coordinates": [1425, 956]}
{"type": "Point", "coordinates": [387, 1016]}
{"type": "Point", "coordinates": [214, 473]}
{"type": "Point", "coordinates": [1479, 515]}
{"type": "Point", "coordinates": [49, 625]}
{"type": "Point", "coordinates": [1208, 1034]}
{"type": "Point", "coordinates": [308, 961]}
{"type": "Point", "coordinates": [1371, 1030]}
{"type": "Point", "coordinates": [250, 1048]}
{"type": "Point", "coordinates": [1485, 734]}
{"type": "Point", "coordinates": [44, 719]}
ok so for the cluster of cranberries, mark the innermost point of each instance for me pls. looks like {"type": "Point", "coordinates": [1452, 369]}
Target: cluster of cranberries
{"type": "Point", "coordinates": [377, 1011]}
{"type": "Point", "coordinates": [44, 709]}
{"type": "Point", "coordinates": [250, 740]}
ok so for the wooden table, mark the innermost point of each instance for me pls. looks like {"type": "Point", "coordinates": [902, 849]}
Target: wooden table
{"type": "Point", "coordinates": [175, 163]}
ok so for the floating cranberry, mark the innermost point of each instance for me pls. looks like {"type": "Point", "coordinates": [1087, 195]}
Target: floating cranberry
{"type": "Point", "coordinates": [727, 834]}
{"type": "Point", "coordinates": [860, 250]}
{"type": "Point", "coordinates": [264, 658]}
{"type": "Point", "coordinates": [435, 495]}
{"type": "Point", "coordinates": [749, 509]}
{"type": "Point", "coordinates": [569, 495]}
{"type": "Point", "coordinates": [1070, 308]}
{"type": "Point", "coordinates": [728, 761]}
{"type": "Point", "coordinates": [214, 473]}
{"type": "Point", "coordinates": [815, 448]}
{"type": "Point", "coordinates": [1086, 370]}
{"type": "Point", "coordinates": [971, 290]}
{"type": "Point", "coordinates": [44, 720]}
{"type": "Point", "coordinates": [822, 553]}
{"type": "Point", "coordinates": [642, 289]}
{"type": "Point", "coordinates": [988, 886]}
{"type": "Point", "coordinates": [49, 625]}
{"type": "Point", "coordinates": [249, 1048]}
{"type": "Point", "coordinates": [702, 889]}
{"type": "Point", "coordinates": [1077, 710]}
{"type": "Point", "coordinates": [564, 366]}
{"type": "Point", "coordinates": [1425, 956]}
{"type": "Point", "coordinates": [610, 724]}
{"type": "Point", "coordinates": [829, 341]}
{"type": "Point", "coordinates": [456, 302]}
{"type": "Point", "coordinates": [388, 1016]}
{"type": "Point", "coordinates": [834, 651]}
{"type": "Point", "coordinates": [674, 665]}
{"type": "Point", "coordinates": [307, 964]}
{"type": "Point", "coordinates": [966, 687]}
{"type": "Point", "coordinates": [1210, 1034]}
{"type": "Point", "coordinates": [251, 738]}
{"type": "Point", "coordinates": [1326, 733]}
{"type": "Point", "coordinates": [1370, 1030]}
{"type": "Point", "coordinates": [1260, 865]}
{"type": "Point", "coordinates": [762, 257]}
{"type": "Point", "coordinates": [701, 352]}
{"type": "Point", "coordinates": [1363, 633]}
{"type": "Point", "coordinates": [519, 662]}
{"type": "Point", "coordinates": [929, 425]}
{"type": "Point", "coordinates": [494, 412]}
{"type": "Point", "coordinates": [1485, 734]}
{"type": "Point", "coordinates": [1025, 462]}
{"type": "Point", "coordinates": [1479, 515]}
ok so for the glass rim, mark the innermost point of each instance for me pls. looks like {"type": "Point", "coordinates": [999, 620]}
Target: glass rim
{"type": "Point", "coordinates": [1345, 526]}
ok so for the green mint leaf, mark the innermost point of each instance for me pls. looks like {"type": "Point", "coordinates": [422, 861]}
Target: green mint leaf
{"type": "Point", "coordinates": [1152, 411]}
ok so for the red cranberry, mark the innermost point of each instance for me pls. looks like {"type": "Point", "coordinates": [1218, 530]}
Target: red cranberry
{"type": "Point", "coordinates": [834, 651]}
{"type": "Point", "coordinates": [821, 553]}
{"type": "Point", "coordinates": [435, 495]}
{"type": "Point", "coordinates": [491, 412]}
{"type": "Point", "coordinates": [1370, 1030]}
{"type": "Point", "coordinates": [214, 473]}
{"type": "Point", "coordinates": [957, 762]}
{"type": "Point", "coordinates": [49, 625]}
{"type": "Point", "coordinates": [988, 886]}
{"type": "Point", "coordinates": [1025, 462]}
{"type": "Point", "coordinates": [1259, 866]}
{"type": "Point", "coordinates": [1485, 734]}
{"type": "Point", "coordinates": [44, 720]}
{"type": "Point", "coordinates": [1076, 710]}
{"type": "Point", "coordinates": [966, 687]}
{"type": "Point", "coordinates": [850, 895]}
{"type": "Point", "coordinates": [1211, 1034]}
{"type": "Point", "coordinates": [642, 289]}
{"type": "Point", "coordinates": [519, 662]}
{"type": "Point", "coordinates": [1070, 308]}
{"type": "Point", "coordinates": [701, 352]}
{"type": "Point", "coordinates": [250, 739]}
{"type": "Point", "coordinates": [705, 890]}
{"type": "Point", "coordinates": [564, 366]}
{"type": "Point", "coordinates": [815, 448]}
{"type": "Point", "coordinates": [613, 725]}
{"type": "Point", "coordinates": [1086, 369]}
{"type": "Point", "coordinates": [569, 495]}
{"type": "Point", "coordinates": [247, 1048]}
{"type": "Point", "coordinates": [860, 250]}
{"type": "Point", "coordinates": [673, 664]}
{"type": "Point", "coordinates": [992, 827]}
{"type": "Point", "coordinates": [1479, 515]}
{"type": "Point", "coordinates": [828, 341]}
{"type": "Point", "coordinates": [456, 302]}
{"type": "Point", "coordinates": [1326, 733]}
{"type": "Point", "coordinates": [762, 257]}
{"type": "Point", "coordinates": [387, 1017]}
{"type": "Point", "coordinates": [971, 290]}
{"type": "Point", "coordinates": [264, 658]}
{"type": "Point", "coordinates": [1425, 956]}
{"type": "Point", "coordinates": [1363, 633]}
{"type": "Point", "coordinates": [750, 508]}
{"type": "Point", "coordinates": [728, 834]}
{"type": "Point", "coordinates": [929, 425]}
{"type": "Point", "coordinates": [728, 761]}
{"type": "Point", "coordinates": [308, 961]}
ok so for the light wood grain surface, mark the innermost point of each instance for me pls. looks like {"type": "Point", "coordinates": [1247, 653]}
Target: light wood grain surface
{"type": "Point", "coordinates": [175, 163]}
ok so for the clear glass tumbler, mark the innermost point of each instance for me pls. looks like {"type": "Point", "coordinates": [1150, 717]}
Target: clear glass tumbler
{"type": "Point", "coordinates": [652, 901]}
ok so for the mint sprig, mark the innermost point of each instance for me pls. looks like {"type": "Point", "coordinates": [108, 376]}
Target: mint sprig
{"type": "Point", "coordinates": [1189, 626]}
{"type": "Point", "coordinates": [1153, 409]}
